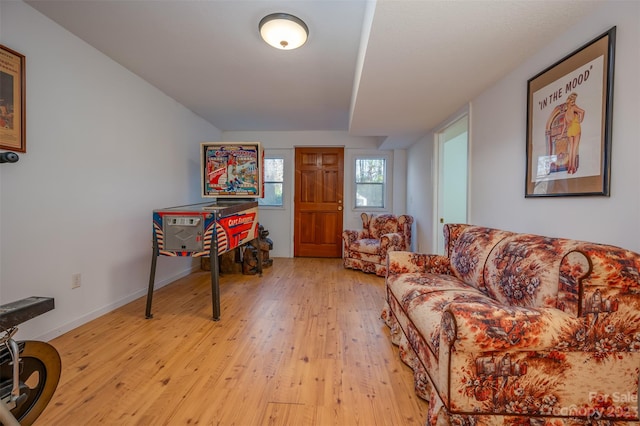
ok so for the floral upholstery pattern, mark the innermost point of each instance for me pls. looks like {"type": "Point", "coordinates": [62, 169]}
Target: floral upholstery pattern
{"type": "Point", "coordinates": [367, 249]}
{"type": "Point", "coordinates": [519, 329]}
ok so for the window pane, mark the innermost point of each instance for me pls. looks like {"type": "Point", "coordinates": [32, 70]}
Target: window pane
{"type": "Point", "coordinates": [273, 169]}
{"type": "Point", "coordinates": [369, 195]}
{"type": "Point", "coordinates": [370, 170]}
{"type": "Point", "coordinates": [273, 182]}
{"type": "Point", "coordinates": [272, 195]}
{"type": "Point", "coordinates": [370, 180]}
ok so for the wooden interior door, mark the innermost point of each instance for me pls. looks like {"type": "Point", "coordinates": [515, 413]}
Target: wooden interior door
{"type": "Point", "coordinates": [318, 202]}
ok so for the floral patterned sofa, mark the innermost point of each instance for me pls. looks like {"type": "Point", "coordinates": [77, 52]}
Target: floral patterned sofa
{"type": "Point", "coordinates": [367, 249]}
{"type": "Point", "coordinates": [519, 329]}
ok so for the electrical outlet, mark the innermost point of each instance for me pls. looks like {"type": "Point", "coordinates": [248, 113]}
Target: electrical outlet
{"type": "Point", "coordinates": [76, 280]}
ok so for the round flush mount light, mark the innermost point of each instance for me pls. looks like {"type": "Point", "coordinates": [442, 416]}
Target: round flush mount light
{"type": "Point", "coordinates": [283, 31]}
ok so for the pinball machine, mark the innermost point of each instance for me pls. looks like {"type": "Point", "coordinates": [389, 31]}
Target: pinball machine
{"type": "Point", "coordinates": [232, 177]}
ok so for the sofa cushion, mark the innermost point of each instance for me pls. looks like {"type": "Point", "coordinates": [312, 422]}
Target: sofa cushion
{"type": "Point", "coordinates": [366, 245]}
{"type": "Point", "coordinates": [470, 251]}
{"type": "Point", "coordinates": [406, 286]}
{"type": "Point", "coordinates": [382, 224]}
{"type": "Point", "coordinates": [425, 296]}
{"type": "Point", "coordinates": [524, 270]}
{"type": "Point", "coordinates": [366, 257]}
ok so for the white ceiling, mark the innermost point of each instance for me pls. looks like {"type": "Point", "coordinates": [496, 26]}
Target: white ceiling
{"type": "Point", "coordinates": [391, 68]}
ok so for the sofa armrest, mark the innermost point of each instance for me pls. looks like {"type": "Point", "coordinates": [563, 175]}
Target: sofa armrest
{"type": "Point", "coordinates": [488, 326]}
{"type": "Point", "coordinates": [390, 242]}
{"type": "Point", "coordinates": [402, 262]}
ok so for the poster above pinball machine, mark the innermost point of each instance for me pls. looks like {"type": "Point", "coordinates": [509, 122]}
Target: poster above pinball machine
{"type": "Point", "coordinates": [569, 119]}
{"type": "Point", "coordinates": [232, 170]}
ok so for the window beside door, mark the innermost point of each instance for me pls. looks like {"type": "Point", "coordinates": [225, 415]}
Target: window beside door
{"type": "Point", "coordinates": [370, 182]}
{"type": "Point", "coordinates": [273, 183]}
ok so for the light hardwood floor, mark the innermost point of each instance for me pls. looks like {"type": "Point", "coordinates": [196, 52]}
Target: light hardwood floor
{"type": "Point", "coordinates": [302, 345]}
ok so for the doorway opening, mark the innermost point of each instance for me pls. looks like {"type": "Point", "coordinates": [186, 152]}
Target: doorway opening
{"type": "Point", "coordinates": [452, 154]}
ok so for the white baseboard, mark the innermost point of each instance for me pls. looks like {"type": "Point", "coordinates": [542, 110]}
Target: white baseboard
{"type": "Point", "coordinates": [58, 331]}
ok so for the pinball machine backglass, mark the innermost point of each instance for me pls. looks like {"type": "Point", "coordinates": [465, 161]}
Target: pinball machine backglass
{"type": "Point", "coordinates": [232, 170]}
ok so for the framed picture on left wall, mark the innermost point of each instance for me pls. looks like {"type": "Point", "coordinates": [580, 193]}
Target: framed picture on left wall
{"type": "Point", "coordinates": [12, 100]}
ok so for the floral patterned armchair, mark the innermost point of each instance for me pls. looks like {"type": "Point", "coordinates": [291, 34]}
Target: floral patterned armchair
{"type": "Point", "coordinates": [519, 329]}
{"type": "Point", "coordinates": [367, 249]}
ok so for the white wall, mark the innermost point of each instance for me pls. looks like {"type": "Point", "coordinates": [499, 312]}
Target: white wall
{"type": "Point", "coordinates": [420, 192]}
{"type": "Point", "coordinates": [104, 148]}
{"type": "Point", "coordinates": [497, 138]}
{"type": "Point", "coordinates": [399, 183]}
{"type": "Point", "coordinates": [279, 222]}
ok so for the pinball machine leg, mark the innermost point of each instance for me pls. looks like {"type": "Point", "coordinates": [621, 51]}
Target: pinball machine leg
{"type": "Point", "coordinates": [152, 278]}
{"type": "Point", "coordinates": [215, 278]}
{"type": "Point", "coordinates": [215, 287]}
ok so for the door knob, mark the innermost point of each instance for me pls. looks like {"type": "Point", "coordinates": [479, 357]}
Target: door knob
{"type": "Point", "coordinates": [339, 208]}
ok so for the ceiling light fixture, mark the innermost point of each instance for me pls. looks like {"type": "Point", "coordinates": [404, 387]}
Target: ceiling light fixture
{"type": "Point", "coordinates": [283, 31]}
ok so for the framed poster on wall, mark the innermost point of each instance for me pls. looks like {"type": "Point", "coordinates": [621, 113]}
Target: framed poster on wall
{"type": "Point", "coordinates": [569, 118]}
{"type": "Point", "coordinates": [12, 100]}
